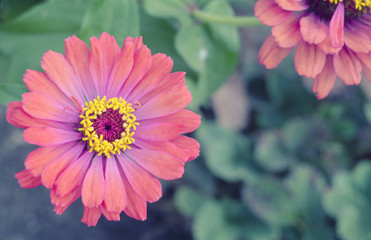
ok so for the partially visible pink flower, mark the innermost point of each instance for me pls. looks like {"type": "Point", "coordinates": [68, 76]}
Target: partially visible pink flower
{"type": "Point", "coordinates": [108, 122]}
{"type": "Point", "coordinates": [332, 39]}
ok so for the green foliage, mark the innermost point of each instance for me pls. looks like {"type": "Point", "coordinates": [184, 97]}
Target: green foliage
{"type": "Point", "coordinates": [292, 173]}
{"type": "Point", "coordinates": [349, 202]}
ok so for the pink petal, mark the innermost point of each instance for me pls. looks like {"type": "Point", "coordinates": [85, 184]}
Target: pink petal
{"type": "Point", "coordinates": [159, 131]}
{"type": "Point", "coordinates": [98, 64]}
{"type": "Point", "coordinates": [138, 42]}
{"type": "Point", "coordinates": [325, 80]}
{"type": "Point", "coordinates": [91, 216]}
{"type": "Point", "coordinates": [115, 198]}
{"type": "Point", "coordinates": [270, 54]}
{"type": "Point", "coordinates": [164, 104]}
{"type": "Point", "coordinates": [188, 145]}
{"type": "Point", "coordinates": [357, 40]}
{"type": "Point", "coordinates": [93, 186]}
{"type": "Point", "coordinates": [16, 116]}
{"type": "Point", "coordinates": [160, 164]}
{"type": "Point", "coordinates": [161, 66]}
{"type": "Point", "coordinates": [27, 180]}
{"type": "Point", "coordinates": [38, 159]}
{"type": "Point", "coordinates": [190, 121]}
{"type": "Point", "coordinates": [142, 63]}
{"type": "Point", "coordinates": [77, 54]}
{"type": "Point", "coordinates": [182, 147]}
{"type": "Point", "coordinates": [172, 80]}
{"type": "Point", "coordinates": [312, 29]}
{"type": "Point", "coordinates": [61, 73]}
{"type": "Point", "coordinates": [348, 67]}
{"type": "Point", "coordinates": [367, 73]}
{"type": "Point", "coordinates": [292, 5]}
{"type": "Point", "coordinates": [143, 183]}
{"type": "Point", "coordinates": [136, 207]}
{"type": "Point", "coordinates": [288, 34]}
{"type": "Point", "coordinates": [326, 46]}
{"type": "Point", "coordinates": [73, 175]}
{"type": "Point", "coordinates": [40, 106]}
{"type": "Point", "coordinates": [269, 13]}
{"type": "Point", "coordinates": [337, 26]}
{"type": "Point", "coordinates": [111, 216]}
{"type": "Point", "coordinates": [365, 59]}
{"type": "Point", "coordinates": [121, 69]}
{"type": "Point", "coordinates": [48, 136]}
{"type": "Point", "coordinates": [53, 169]}
{"type": "Point", "coordinates": [62, 203]}
{"type": "Point", "coordinates": [39, 82]}
{"type": "Point", "coordinates": [112, 48]}
{"type": "Point", "coordinates": [309, 59]}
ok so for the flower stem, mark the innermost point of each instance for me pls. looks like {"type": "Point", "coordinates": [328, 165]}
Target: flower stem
{"type": "Point", "coordinates": [248, 21]}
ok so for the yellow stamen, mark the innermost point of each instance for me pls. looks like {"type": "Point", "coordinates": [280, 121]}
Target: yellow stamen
{"type": "Point", "coordinates": [91, 112]}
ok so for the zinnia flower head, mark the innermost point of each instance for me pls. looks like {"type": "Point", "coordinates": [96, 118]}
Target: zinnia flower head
{"type": "Point", "coordinates": [332, 39]}
{"type": "Point", "coordinates": [108, 123]}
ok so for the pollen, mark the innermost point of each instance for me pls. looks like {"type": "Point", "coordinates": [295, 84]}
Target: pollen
{"type": "Point", "coordinates": [108, 126]}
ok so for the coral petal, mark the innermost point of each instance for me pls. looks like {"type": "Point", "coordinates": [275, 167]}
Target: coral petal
{"type": "Point", "coordinates": [325, 80]}
{"type": "Point", "coordinates": [53, 169]}
{"type": "Point", "coordinates": [165, 104]}
{"type": "Point", "coordinates": [115, 198]}
{"type": "Point", "coordinates": [27, 180]}
{"type": "Point", "coordinates": [93, 186]}
{"type": "Point", "coordinates": [91, 216]}
{"type": "Point", "coordinates": [48, 136]}
{"type": "Point", "coordinates": [309, 59]}
{"type": "Point", "coordinates": [269, 13]}
{"type": "Point", "coordinates": [98, 64]}
{"type": "Point", "coordinates": [348, 67]}
{"type": "Point", "coordinates": [73, 175]}
{"type": "Point", "coordinates": [136, 207]}
{"type": "Point", "coordinates": [292, 5]}
{"type": "Point", "coordinates": [288, 34]}
{"type": "Point", "coordinates": [143, 183]}
{"type": "Point", "coordinates": [77, 54]}
{"type": "Point", "coordinates": [270, 54]}
{"type": "Point", "coordinates": [160, 164]}
{"type": "Point", "coordinates": [312, 29]}
{"type": "Point", "coordinates": [337, 26]}
{"type": "Point", "coordinates": [38, 159]}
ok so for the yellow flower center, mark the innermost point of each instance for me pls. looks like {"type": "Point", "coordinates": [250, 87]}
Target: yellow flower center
{"type": "Point", "coordinates": [108, 126]}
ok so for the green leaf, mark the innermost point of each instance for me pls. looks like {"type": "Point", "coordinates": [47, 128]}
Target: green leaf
{"type": "Point", "coordinates": [270, 201]}
{"type": "Point", "coordinates": [119, 18]}
{"type": "Point", "coordinates": [188, 201]}
{"type": "Point", "coordinates": [229, 220]}
{"type": "Point", "coordinates": [226, 35]}
{"type": "Point", "coordinates": [226, 153]}
{"type": "Point", "coordinates": [49, 17]}
{"type": "Point", "coordinates": [168, 8]}
{"type": "Point", "coordinates": [209, 223]}
{"type": "Point", "coordinates": [349, 201]}
{"type": "Point", "coordinates": [271, 153]}
{"type": "Point", "coordinates": [190, 44]}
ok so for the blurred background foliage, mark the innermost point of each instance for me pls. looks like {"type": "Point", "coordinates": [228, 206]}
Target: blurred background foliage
{"type": "Point", "coordinates": [275, 164]}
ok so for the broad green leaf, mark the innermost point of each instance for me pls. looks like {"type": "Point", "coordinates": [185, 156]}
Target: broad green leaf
{"type": "Point", "coordinates": [168, 8]}
{"type": "Point", "coordinates": [271, 153]}
{"type": "Point", "coordinates": [210, 223]}
{"type": "Point", "coordinates": [270, 201]}
{"type": "Point", "coordinates": [188, 201]}
{"type": "Point", "coordinates": [59, 16]}
{"type": "Point", "coordinates": [226, 35]}
{"type": "Point", "coordinates": [119, 18]}
{"type": "Point", "coordinates": [226, 153]}
{"type": "Point", "coordinates": [230, 220]}
{"type": "Point", "coordinates": [190, 44]}
{"type": "Point", "coordinates": [349, 202]}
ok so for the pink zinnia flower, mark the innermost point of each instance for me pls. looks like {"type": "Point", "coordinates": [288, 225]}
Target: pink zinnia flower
{"type": "Point", "coordinates": [108, 122]}
{"type": "Point", "coordinates": [332, 39]}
